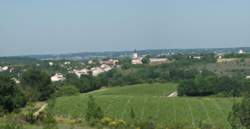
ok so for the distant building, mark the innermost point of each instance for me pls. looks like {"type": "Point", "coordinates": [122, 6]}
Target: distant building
{"type": "Point", "coordinates": [15, 80]}
{"type": "Point", "coordinates": [241, 51]}
{"type": "Point", "coordinates": [110, 62]}
{"type": "Point", "coordinates": [81, 72]}
{"type": "Point", "coordinates": [135, 54]}
{"type": "Point", "coordinates": [136, 59]}
{"type": "Point", "coordinates": [195, 57]}
{"type": "Point", "coordinates": [4, 68]}
{"type": "Point", "coordinates": [159, 60]}
{"type": "Point", "coordinates": [106, 67]}
{"type": "Point", "coordinates": [90, 62]}
{"type": "Point", "coordinates": [96, 71]}
{"type": "Point", "coordinates": [67, 63]}
{"type": "Point", "coordinates": [57, 77]}
{"type": "Point", "coordinates": [226, 60]}
{"type": "Point", "coordinates": [51, 63]}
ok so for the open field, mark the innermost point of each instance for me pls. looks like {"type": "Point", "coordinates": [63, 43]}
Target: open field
{"type": "Point", "coordinates": [150, 100]}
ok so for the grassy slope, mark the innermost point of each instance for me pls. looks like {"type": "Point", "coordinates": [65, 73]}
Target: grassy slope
{"type": "Point", "coordinates": [150, 100]}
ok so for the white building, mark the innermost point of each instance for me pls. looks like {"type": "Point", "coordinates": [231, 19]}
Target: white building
{"type": "Point", "coordinates": [96, 71]}
{"type": "Point", "coordinates": [110, 62]}
{"type": "Point", "coordinates": [57, 77]}
{"type": "Point", "coordinates": [158, 60]}
{"type": "Point", "coordinates": [90, 62]}
{"type": "Point", "coordinates": [15, 80]}
{"type": "Point", "coordinates": [106, 67]}
{"type": "Point", "coordinates": [4, 68]}
{"type": "Point", "coordinates": [51, 63]}
{"type": "Point", "coordinates": [241, 51]}
{"type": "Point", "coordinates": [227, 60]}
{"type": "Point", "coordinates": [136, 59]}
{"type": "Point", "coordinates": [135, 54]}
{"type": "Point", "coordinates": [197, 57]}
{"type": "Point", "coordinates": [81, 72]}
{"type": "Point", "coordinates": [67, 63]}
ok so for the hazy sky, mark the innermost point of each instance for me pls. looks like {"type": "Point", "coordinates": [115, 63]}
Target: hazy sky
{"type": "Point", "coordinates": [62, 26]}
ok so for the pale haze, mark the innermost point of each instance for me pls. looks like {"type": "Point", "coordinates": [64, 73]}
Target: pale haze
{"type": "Point", "coordinates": [63, 26]}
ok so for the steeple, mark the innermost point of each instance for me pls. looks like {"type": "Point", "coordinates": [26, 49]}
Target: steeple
{"type": "Point", "coordinates": [135, 54]}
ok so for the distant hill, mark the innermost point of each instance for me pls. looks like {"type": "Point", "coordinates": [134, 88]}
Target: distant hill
{"type": "Point", "coordinates": [116, 54]}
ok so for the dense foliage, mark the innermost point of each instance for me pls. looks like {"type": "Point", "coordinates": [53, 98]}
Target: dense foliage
{"type": "Point", "coordinates": [146, 74]}
{"type": "Point", "coordinates": [11, 96]}
{"type": "Point", "coordinates": [207, 83]}
{"type": "Point", "coordinates": [67, 90]}
{"type": "Point", "coordinates": [85, 83]}
{"type": "Point", "coordinates": [37, 84]}
{"type": "Point", "coordinates": [93, 112]}
{"type": "Point", "coordinates": [239, 118]}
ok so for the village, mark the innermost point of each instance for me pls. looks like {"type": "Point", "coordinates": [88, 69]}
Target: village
{"type": "Point", "coordinates": [96, 67]}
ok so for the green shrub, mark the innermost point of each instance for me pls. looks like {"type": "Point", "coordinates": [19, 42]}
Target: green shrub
{"type": "Point", "coordinates": [67, 90]}
{"type": "Point", "coordinates": [93, 112]}
{"type": "Point", "coordinates": [11, 126]}
{"type": "Point", "coordinates": [29, 114]}
{"type": "Point", "coordinates": [49, 121]}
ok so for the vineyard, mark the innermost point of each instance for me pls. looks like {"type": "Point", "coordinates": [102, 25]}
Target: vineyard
{"type": "Point", "coordinates": [151, 101]}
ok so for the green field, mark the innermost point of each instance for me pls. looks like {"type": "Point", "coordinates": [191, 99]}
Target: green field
{"type": "Point", "coordinates": [151, 100]}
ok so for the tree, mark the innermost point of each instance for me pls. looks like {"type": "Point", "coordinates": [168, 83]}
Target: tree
{"type": "Point", "coordinates": [37, 84]}
{"type": "Point", "coordinates": [240, 115]}
{"type": "Point", "coordinates": [67, 90]}
{"type": "Point", "coordinates": [11, 96]}
{"type": "Point", "coordinates": [49, 122]}
{"type": "Point", "coordinates": [93, 112]}
{"type": "Point", "coordinates": [146, 60]}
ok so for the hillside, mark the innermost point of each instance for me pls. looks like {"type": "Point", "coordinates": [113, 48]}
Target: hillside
{"type": "Point", "coordinates": [151, 100]}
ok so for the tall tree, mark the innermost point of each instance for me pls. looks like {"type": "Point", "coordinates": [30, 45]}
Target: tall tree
{"type": "Point", "coordinates": [240, 115]}
{"type": "Point", "coordinates": [11, 97]}
{"type": "Point", "coordinates": [37, 84]}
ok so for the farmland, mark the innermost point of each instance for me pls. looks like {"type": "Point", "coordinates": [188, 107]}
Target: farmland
{"type": "Point", "coordinates": [151, 100]}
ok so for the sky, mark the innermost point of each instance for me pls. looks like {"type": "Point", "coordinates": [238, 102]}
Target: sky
{"type": "Point", "coordinates": [66, 26]}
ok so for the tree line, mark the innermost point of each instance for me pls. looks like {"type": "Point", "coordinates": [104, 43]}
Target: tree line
{"type": "Point", "coordinates": [207, 83]}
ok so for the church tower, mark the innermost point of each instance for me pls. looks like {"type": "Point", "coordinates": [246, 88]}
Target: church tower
{"type": "Point", "coordinates": [135, 54]}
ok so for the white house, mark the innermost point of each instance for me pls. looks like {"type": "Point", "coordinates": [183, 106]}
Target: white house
{"type": "Point", "coordinates": [67, 63]}
{"type": "Point", "coordinates": [241, 51]}
{"type": "Point", "coordinates": [197, 57]}
{"type": "Point", "coordinates": [110, 62]}
{"type": "Point", "coordinates": [15, 80]}
{"type": "Point", "coordinates": [4, 68]}
{"type": "Point", "coordinates": [106, 67]}
{"type": "Point", "coordinates": [96, 71]}
{"type": "Point", "coordinates": [57, 77]}
{"type": "Point", "coordinates": [81, 72]}
{"type": "Point", "coordinates": [51, 63]}
{"type": "Point", "coordinates": [90, 62]}
{"type": "Point", "coordinates": [227, 60]}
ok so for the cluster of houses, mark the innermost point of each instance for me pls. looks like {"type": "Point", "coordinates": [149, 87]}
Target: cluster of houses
{"type": "Point", "coordinates": [104, 66]}
{"type": "Point", "coordinates": [222, 60]}
{"type": "Point", "coordinates": [95, 71]}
